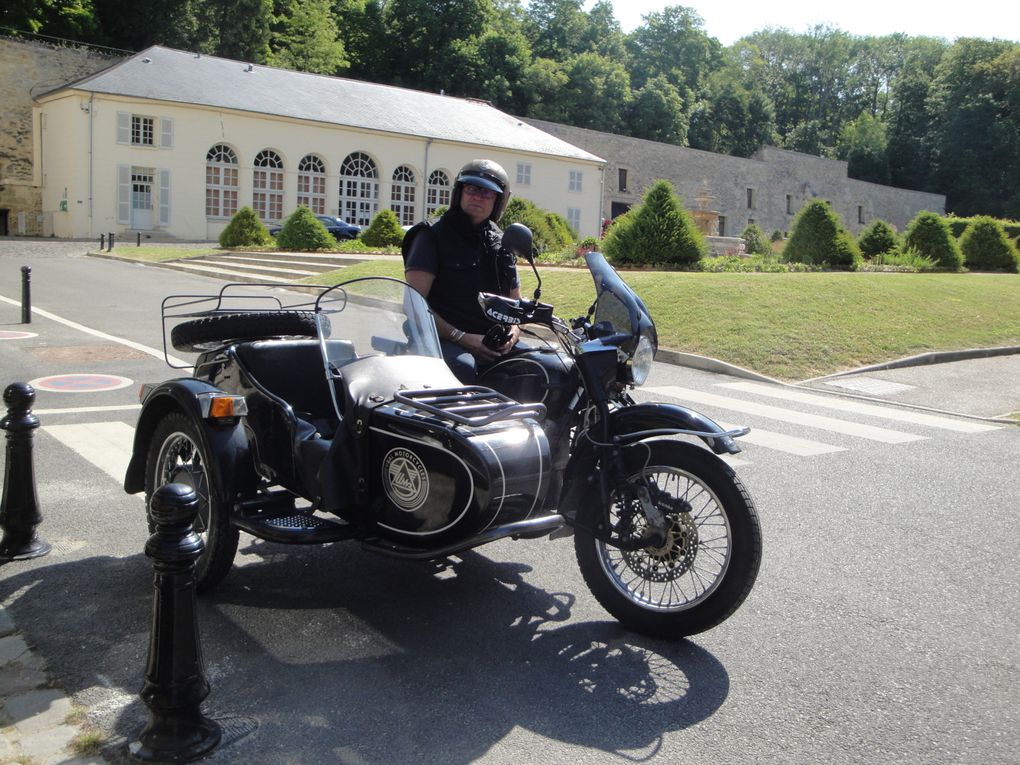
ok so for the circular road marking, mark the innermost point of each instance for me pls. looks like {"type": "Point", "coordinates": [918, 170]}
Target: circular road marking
{"type": "Point", "coordinates": [79, 383]}
{"type": "Point", "coordinates": [12, 334]}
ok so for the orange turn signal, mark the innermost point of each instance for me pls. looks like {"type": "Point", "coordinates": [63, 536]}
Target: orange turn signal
{"type": "Point", "coordinates": [222, 407]}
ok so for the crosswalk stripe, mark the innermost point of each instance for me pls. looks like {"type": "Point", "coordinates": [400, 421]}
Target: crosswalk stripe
{"type": "Point", "coordinates": [236, 263]}
{"type": "Point", "coordinates": [802, 447]}
{"type": "Point", "coordinates": [871, 432]}
{"type": "Point", "coordinates": [860, 407]}
{"type": "Point", "coordinates": [107, 445]}
{"type": "Point", "coordinates": [180, 264]}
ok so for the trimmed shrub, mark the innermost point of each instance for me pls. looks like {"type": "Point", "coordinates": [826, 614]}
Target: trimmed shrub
{"type": "Point", "coordinates": [303, 231]}
{"type": "Point", "coordinates": [777, 236]}
{"type": "Point", "coordinates": [245, 230]}
{"type": "Point", "coordinates": [549, 231]}
{"type": "Point", "coordinates": [878, 237]}
{"type": "Point", "coordinates": [658, 231]}
{"type": "Point", "coordinates": [818, 237]}
{"type": "Point", "coordinates": [755, 240]}
{"type": "Point", "coordinates": [383, 231]}
{"type": "Point", "coordinates": [930, 235]}
{"type": "Point", "coordinates": [986, 247]}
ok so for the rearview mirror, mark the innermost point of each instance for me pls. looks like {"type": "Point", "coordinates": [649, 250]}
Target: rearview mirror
{"type": "Point", "coordinates": [518, 239]}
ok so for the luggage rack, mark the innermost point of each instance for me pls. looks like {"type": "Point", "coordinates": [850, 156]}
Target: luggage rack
{"type": "Point", "coordinates": [470, 405]}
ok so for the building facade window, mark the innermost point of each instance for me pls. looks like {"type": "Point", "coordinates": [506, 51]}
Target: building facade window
{"type": "Point", "coordinates": [523, 174]}
{"type": "Point", "coordinates": [789, 204]}
{"type": "Point", "coordinates": [622, 179]}
{"type": "Point", "coordinates": [143, 130]}
{"type": "Point", "coordinates": [576, 178]}
{"type": "Point", "coordinates": [860, 213]}
{"type": "Point", "coordinates": [311, 184]}
{"type": "Point", "coordinates": [574, 218]}
{"type": "Point", "coordinates": [750, 199]}
{"type": "Point", "coordinates": [267, 186]}
{"type": "Point", "coordinates": [220, 182]}
{"type": "Point", "coordinates": [722, 225]}
{"type": "Point", "coordinates": [402, 194]}
{"type": "Point", "coordinates": [437, 194]}
{"type": "Point", "coordinates": [359, 189]}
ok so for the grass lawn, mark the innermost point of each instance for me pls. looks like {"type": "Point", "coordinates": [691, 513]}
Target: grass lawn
{"type": "Point", "coordinates": [797, 326]}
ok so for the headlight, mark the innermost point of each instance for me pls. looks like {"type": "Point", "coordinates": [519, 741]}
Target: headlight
{"type": "Point", "coordinates": [641, 361]}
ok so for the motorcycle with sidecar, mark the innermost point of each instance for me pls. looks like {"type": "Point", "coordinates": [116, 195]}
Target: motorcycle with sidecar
{"type": "Point", "coordinates": [327, 414]}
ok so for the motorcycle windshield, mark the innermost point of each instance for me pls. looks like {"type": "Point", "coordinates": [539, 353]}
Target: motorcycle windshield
{"type": "Point", "coordinates": [374, 316]}
{"type": "Point", "coordinates": [618, 309]}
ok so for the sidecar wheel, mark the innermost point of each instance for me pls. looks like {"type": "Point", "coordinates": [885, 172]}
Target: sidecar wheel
{"type": "Point", "coordinates": [709, 561]}
{"type": "Point", "coordinates": [213, 331]}
{"type": "Point", "coordinates": [176, 455]}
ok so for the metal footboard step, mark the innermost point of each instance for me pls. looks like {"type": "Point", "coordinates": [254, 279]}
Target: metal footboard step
{"type": "Point", "coordinates": [470, 405]}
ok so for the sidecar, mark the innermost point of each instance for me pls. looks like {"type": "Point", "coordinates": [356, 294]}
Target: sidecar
{"type": "Point", "coordinates": [326, 414]}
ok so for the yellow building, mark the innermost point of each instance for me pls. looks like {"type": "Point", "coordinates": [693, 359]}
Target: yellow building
{"type": "Point", "coordinates": [170, 144]}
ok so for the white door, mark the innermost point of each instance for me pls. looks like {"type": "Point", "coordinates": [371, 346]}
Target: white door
{"type": "Point", "coordinates": [141, 199]}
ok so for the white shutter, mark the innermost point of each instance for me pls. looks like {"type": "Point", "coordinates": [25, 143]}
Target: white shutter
{"type": "Point", "coordinates": [164, 197]}
{"type": "Point", "coordinates": [166, 133]}
{"type": "Point", "coordinates": [123, 127]}
{"type": "Point", "coordinates": [124, 194]}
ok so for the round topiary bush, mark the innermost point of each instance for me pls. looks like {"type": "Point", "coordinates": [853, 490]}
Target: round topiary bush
{"type": "Point", "coordinates": [929, 234]}
{"type": "Point", "coordinates": [756, 242]}
{"type": "Point", "coordinates": [384, 230]}
{"type": "Point", "coordinates": [550, 231]}
{"type": "Point", "coordinates": [878, 238]}
{"type": "Point", "coordinates": [658, 231]}
{"type": "Point", "coordinates": [245, 230]}
{"type": "Point", "coordinates": [818, 237]}
{"type": "Point", "coordinates": [303, 231]}
{"type": "Point", "coordinates": [986, 247]}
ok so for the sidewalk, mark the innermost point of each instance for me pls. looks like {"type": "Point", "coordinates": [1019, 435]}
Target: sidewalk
{"type": "Point", "coordinates": [36, 720]}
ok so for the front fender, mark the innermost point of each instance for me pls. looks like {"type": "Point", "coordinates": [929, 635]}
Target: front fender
{"type": "Point", "coordinates": [225, 441]}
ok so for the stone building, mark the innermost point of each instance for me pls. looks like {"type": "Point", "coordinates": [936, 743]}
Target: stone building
{"type": "Point", "coordinates": [768, 188]}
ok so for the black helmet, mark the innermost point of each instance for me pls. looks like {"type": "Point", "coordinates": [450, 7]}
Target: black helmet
{"type": "Point", "coordinates": [488, 175]}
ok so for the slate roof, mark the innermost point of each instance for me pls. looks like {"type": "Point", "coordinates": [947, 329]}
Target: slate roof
{"type": "Point", "coordinates": [164, 74]}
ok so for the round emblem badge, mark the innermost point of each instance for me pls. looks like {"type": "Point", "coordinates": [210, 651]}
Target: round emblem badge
{"type": "Point", "coordinates": [405, 479]}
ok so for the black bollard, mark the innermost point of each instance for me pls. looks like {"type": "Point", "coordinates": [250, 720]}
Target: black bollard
{"type": "Point", "coordinates": [19, 511]}
{"type": "Point", "coordinates": [175, 682]}
{"type": "Point", "coordinates": [102, 242]}
{"type": "Point", "coordinates": [26, 294]}
{"type": "Point", "coordinates": [109, 246]}
{"type": "Point", "coordinates": [138, 241]}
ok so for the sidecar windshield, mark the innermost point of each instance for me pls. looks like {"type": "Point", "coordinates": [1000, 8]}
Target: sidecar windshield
{"type": "Point", "coordinates": [617, 305]}
{"type": "Point", "coordinates": [374, 316]}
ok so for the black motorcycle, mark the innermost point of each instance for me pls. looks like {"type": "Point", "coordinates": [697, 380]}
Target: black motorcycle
{"type": "Point", "coordinates": [331, 416]}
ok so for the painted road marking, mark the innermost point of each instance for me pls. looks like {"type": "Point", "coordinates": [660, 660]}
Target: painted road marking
{"type": "Point", "coordinates": [883, 435]}
{"type": "Point", "coordinates": [802, 447]}
{"type": "Point", "coordinates": [859, 407]}
{"type": "Point", "coordinates": [80, 383]}
{"type": "Point", "coordinates": [107, 445]}
{"type": "Point", "coordinates": [11, 334]}
{"type": "Point", "coordinates": [86, 409]}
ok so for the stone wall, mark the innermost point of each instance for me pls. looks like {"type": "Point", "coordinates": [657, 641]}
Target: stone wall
{"type": "Point", "coordinates": [768, 188]}
{"type": "Point", "coordinates": [28, 69]}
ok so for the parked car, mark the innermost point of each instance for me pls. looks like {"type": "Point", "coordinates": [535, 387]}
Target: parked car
{"type": "Point", "coordinates": [338, 227]}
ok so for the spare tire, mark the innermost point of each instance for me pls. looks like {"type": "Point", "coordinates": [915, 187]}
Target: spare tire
{"type": "Point", "coordinates": [213, 331]}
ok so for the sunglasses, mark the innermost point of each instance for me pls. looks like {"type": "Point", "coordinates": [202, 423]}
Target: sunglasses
{"type": "Point", "coordinates": [477, 191]}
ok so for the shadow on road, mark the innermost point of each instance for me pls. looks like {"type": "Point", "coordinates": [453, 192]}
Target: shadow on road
{"type": "Point", "coordinates": [343, 656]}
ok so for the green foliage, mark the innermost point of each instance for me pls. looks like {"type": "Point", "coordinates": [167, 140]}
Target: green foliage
{"type": "Point", "coordinates": [658, 231]}
{"type": "Point", "coordinates": [818, 237]}
{"type": "Point", "coordinates": [986, 247]}
{"type": "Point", "coordinates": [245, 230]}
{"type": "Point", "coordinates": [549, 231]}
{"type": "Point", "coordinates": [303, 231]}
{"type": "Point", "coordinates": [777, 236]}
{"type": "Point", "coordinates": [590, 244]}
{"type": "Point", "coordinates": [306, 38]}
{"type": "Point", "coordinates": [755, 240]}
{"type": "Point", "coordinates": [876, 238]}
{"type": "Point", "coordinates": [905, 261]}
{"type": "Point", "coordinates": [929, 234]}
{"type": "Point", "coordinates": [384, 230]}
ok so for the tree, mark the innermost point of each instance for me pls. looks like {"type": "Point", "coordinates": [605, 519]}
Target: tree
{"type": "Point", "coordinates": [756, 241]}
{"type": "Point", "coordinates": [659, 231]}
{"type": "Point", "coordinates": [877, 238]}
{"type": "Point", "coordinates": [818, 237]}
{"type": "Point", "coordinates": [597, 93]}
{"type": "Point", "coordinates": [928, 234]}
{"type": "Point", "coordinates": [733, 120]}
{"type": "Point", "coordinates": [672, 43]}
{"type": "Point", "coordinates": [657, 113]}
{"type": "Point", "coordinates": [863, 145]}
{"type": "Point", "coordinates": [557, 29]}
{"type": "Point", "coordinates": [243, 28]}
{"type": "Point", "coordinates": [986, 247]}
{"type": "Point", "coordinates": [363, 34]}
{"type": "Point", "coordinates": [305, 38]}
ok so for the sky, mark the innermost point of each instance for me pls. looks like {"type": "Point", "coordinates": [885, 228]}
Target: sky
{"type": "Point", "coordinates": [729, 21]}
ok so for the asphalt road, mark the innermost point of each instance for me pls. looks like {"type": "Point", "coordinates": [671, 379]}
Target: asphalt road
{"type": "Point", "coordinates": [882, 628]}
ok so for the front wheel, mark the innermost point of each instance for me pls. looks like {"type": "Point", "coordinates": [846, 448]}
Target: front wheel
{"type": "Point", "coordinates": [177, 455]}
{"type": "Point", "coordinates": [710, 557]}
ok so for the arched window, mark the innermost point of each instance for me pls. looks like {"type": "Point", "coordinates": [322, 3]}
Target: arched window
{"type": "Point", "coordinates": [267, 186]}
{"type": "Point", "coordinates": [220, 182]}
{"type": "Point", "coordinates": [359, 189]}
{"type": "Point", "coordinates": [403, 194]}
{"type": "Point", "coordinates": [438, 192]}
{"type": "Point", "coordinates": [311, 184]}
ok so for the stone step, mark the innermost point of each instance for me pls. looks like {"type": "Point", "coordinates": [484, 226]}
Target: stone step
{"type": "Point", "coordinates": [270, 267]}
